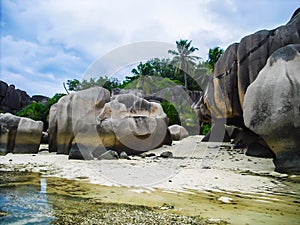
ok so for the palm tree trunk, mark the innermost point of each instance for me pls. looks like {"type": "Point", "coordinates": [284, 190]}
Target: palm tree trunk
{"type": "Point", "coordinates": [185, 79]}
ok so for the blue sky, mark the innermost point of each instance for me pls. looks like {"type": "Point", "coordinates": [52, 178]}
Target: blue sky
{"type": "Point", "coordinates": [46, 42]}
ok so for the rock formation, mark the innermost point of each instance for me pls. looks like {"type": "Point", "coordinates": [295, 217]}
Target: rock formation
{"type": "Point", "coordinates": [19, 134]}
{"type": "Point", "coordinates": [272, 107]}
{"type": "Point", "coordinates": [72, 120]}
{"type": "Point", "coordinates": [13, 100]}
{"type": "Point", "coordinates": [87, 123]}
{"type": "Point", "coordinates": [132, 123]}
{"type": "Point", "coordinates": [238, 67]}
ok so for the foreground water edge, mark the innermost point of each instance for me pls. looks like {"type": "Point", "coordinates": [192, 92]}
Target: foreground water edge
{"type": "Point", "coordinates": [32, 198]}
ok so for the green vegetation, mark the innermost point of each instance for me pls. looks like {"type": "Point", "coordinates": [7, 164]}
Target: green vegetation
{"type": "Point", "coordinates": [213, 55]}
{"type": "Point", "coordinates": [205, 128]}
{"type": "Point", "coordinates": [183, 59]}
{"type": "Point", "coordinates": [171, 112]}
{"type": "Point", "coordinates": [38, 111]}
{"type": "Point", "coordinates": [105, 82]}
{"type": "Point", "coordinates": [35, 111]}
{"type": "Point", "coordinates": [185, 69]}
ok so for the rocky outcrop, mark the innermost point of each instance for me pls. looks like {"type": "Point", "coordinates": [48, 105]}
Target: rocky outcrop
{"type": "Point", "coordinates": [132, 124]}
{"type": "Point", "coordinates": [272, 107]}
{"type": "Point", "coordinates": [13, 100]}
{"type": "Point", "coordinates": [87, 123]}
{"type": "Point", "coordinates": [178, 132]}
{"type": "Point", "coordinates": [19, 134]}
{"type": "Point", "coordinates": [73, 121]}
{"type": "Point", "coordinates": [238, 67]}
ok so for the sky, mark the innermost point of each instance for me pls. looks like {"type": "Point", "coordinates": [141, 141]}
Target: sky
{"type": "Point", "coordinates": [44, 43]}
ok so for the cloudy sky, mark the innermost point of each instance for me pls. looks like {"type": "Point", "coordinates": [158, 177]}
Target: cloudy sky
{"type": "Point", "coordinates": [46, 42]}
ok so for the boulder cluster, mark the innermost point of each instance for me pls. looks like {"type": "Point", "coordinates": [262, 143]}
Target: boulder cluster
{"type": "Point", "coordinates": [256, 86]}
{"type": "Point", "coordinates": [87, 123]}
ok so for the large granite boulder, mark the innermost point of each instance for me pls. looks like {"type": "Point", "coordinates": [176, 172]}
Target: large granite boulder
{"type": "Point", "coordinates": [28, 136]}
{"type": "Point", "coordinates": [272, 107]}
{"type": "Point", "coordinates": [133, 124]}
{"type": "Point", "coordinates": [73, 121]}
{"type": "Point", "coordinates": [19, 134]}
{"type": "Point", "coordinates": [52, 129]}
{"type": "Point", "coordinates": [8, 125]}
{"type": "Point", "coordinates": [238, 67]}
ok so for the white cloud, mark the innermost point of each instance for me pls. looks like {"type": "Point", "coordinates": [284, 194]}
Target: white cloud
{"type": "Point", "coordinates": [55, 40]}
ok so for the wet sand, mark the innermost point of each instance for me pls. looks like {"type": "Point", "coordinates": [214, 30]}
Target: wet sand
{"type": "Point", "coordinates": [210, 180]}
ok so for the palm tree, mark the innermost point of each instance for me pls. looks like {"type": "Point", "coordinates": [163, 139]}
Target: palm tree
{"type": "Point", "coordinates": [213, 55]}
{"type": "Point", "coordinates": [183, 58]}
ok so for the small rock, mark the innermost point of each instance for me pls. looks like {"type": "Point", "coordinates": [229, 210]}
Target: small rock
{"type": "Point", "coordinates": [206, 167]}
{"type": "Point", "coordinates": [151, 154]}
{"type": "Point", "coordinates": [123, 155]}
{"type": "Point", "coordinates": [109, 155]}
{"type": "Point", "coordinates": [225, 200]}
{"type": "Point", "coordinates": [166, 154]}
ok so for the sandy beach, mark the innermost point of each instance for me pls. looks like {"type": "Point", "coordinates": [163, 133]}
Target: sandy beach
{"type": "Point", "coordinates": [195, 167]}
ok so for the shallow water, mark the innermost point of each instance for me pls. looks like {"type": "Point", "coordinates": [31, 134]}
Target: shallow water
{"type": "Point", "coordinates": [29, 198]}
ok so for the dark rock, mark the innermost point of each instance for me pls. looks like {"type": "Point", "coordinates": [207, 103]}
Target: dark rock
{"type": "Point", "coordinates": [39, 98]}
{"type": "Point", "coordinates": [80, 152]}
{"type": "Point", "coordinates": [166, 154]}
{"type": "Point", "coordinates": [149, 154]}
{"type": "Point", "coordinates": [109, 155]}
{"type": "Point", "coordinates": [12, 100]}
{"type": "Point", "coordinates": [168, 139]}
{"type": "Point", "coordinates": [123, 155]}
{"type": "Point", "coordinates": [3, 90]}
{"type": "Point", "coordinates": [259, 150]}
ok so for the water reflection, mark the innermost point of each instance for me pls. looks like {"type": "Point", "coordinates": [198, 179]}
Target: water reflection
{"type": "Point", "coordinates": [24, 203]}
{"type": "Point", "coordinates": [43, 185]}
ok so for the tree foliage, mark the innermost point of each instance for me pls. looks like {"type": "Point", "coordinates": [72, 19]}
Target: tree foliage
{"type": "Point", "coordinates": [183, 59]}
{"type": "Point", "coordinates": [105, 82]}
{"type": "Point", "coordinates": [213, 55]}
{"type": "Point", "coordinates": [39, 112]}
{"type": "Point", "coordinates": [35, 111]}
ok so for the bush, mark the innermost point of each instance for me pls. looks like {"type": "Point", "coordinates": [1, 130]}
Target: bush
{"type": "Point", "coordinates": [205, 128]}
{"type": "Point", "coordinates": [35, 111]}
{"type": "Point", "coordinates": [38, 111]}
{"type": "Point", "coordinates": [171, 112]}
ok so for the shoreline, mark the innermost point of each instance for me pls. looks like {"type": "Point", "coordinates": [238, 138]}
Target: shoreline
{"type": "Point", "coordinates": [194, 165]}
{"type": "Point", "coordinates": [199, 180]}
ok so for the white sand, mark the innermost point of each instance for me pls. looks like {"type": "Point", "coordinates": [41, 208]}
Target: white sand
{"type": "Point", "coordinates": [195, 165]}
